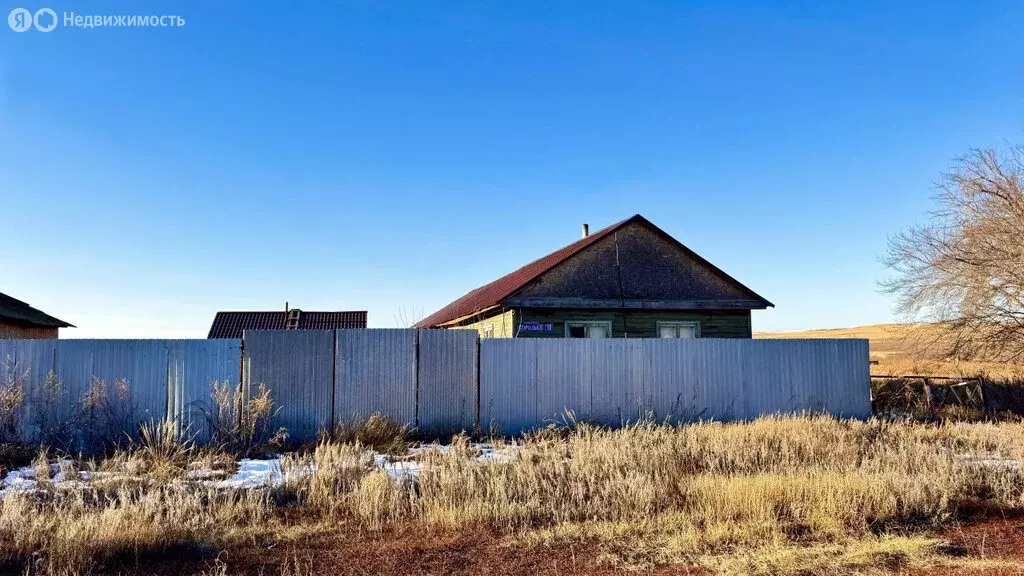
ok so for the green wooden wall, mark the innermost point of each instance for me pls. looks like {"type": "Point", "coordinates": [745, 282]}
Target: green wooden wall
{"type": "Point", "coordinates": [636, 323]}
{"type": "Point", "coordinates": [625, 323]}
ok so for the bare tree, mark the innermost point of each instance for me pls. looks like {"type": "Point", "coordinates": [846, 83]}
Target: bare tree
{"type": "Point", "coordinates": [964, 268]}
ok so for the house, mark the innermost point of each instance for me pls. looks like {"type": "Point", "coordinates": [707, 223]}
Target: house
{"type": "Point", "coordinates": [232, 324]}
{"type": "Point", "coordinates": [629, 280]}
{"type": "Point", "coordinates": [18, 320]}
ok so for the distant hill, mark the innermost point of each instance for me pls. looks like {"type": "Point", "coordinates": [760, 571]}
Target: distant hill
{"type": "Point", "coordinates": [896, 350]}
{"type": "Point", "coordinates": [887, 340]}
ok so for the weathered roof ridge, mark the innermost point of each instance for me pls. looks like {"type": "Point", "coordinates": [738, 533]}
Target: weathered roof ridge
{"type": "Point", "coordinates": [492, 294]}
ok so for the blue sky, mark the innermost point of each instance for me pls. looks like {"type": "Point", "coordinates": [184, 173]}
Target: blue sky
{"type": "Point", "coordinates": [391, 156]}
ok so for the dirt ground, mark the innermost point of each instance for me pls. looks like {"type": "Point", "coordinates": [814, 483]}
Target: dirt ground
{"type": "Point", "coordinates": [408, 553]}
{"type": "Point", "coordinates": [990, 535]}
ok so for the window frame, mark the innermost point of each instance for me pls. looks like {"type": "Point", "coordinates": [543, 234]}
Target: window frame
{"type": "Point", "coordinates": [487, 332]}
{"type": "Point", "coordinates": [607, 324]}
{"type": "Point", "coordinates": [695, 324]}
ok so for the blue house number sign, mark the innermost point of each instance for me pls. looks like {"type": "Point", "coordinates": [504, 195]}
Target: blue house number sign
{"type": "Point", "coordinates": [535, 326]}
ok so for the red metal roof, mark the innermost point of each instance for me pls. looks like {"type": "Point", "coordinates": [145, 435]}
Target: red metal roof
{"type": "Point", "coordinates": [496, 292]}
{"type": "Point", "coordinates": [232, 324]}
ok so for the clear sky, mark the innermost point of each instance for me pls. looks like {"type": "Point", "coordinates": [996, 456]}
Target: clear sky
{"type": "Point", "coordinates": [392, 156]}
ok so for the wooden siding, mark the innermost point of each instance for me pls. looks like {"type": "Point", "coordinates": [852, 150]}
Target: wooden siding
{"type": "Point", "coordinates": [635, 264]}
{"type": "Point", "coordinates": [501, 323]}
{"type": "Point", "coordinates": [636, 323]}
{"type": "Point", "coordinates": [10, 331]}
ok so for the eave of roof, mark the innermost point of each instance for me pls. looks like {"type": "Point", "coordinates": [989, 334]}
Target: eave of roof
{"type": "Point", "coordinates": [17, 311]}
{"type": "Point", "coordinates": [494, 294]}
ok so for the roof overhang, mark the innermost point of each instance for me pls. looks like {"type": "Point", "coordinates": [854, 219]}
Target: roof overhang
{"type": "Point", "coordinates": [518, 302]}
{"type": "Point", "coordinates": [461, 319]}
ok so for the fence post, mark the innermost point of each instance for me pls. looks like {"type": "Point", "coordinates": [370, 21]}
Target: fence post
{"type": "Point", "coordinates": [928, 399]}
{"type": "Point", "coordinates": [476, 417]}
{"type": "Point", "coordinates": [334, 382]}
{"type": "Point", "coordinates": [984, 399]}
{"type": "Point", "coordinates": [416, 376]}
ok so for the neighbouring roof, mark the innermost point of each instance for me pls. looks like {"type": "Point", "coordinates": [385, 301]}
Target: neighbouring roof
{"type": "Point", "coordinates": [232, 324]}
{"type": "Point", "coordinates": [493, 294]}
{"type": "Point", "coordinates": [17, 311]}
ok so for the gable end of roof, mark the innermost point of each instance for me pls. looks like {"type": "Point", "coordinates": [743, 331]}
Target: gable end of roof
{"type": "Point", "coordinates": [494, 294]}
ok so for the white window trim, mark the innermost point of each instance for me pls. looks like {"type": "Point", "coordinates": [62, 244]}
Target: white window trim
{"type": "Point", "coordinates": [675, 324]}
{"type": "Point", "coordinates": [587, 323]}
{"type": "Point", "coordinates": [487, 332]}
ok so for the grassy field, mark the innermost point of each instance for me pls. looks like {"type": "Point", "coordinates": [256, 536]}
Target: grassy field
{"type": "Point", "coordinates": [897, 350]}
{"type": "Point", "coordinates": [780, 495]}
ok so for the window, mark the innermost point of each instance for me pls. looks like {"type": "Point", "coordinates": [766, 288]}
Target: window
{"type": "Point", "coordinates": [591, 329]}
{"type": "Point", "coordinates": [487, 332]}
{"type": "Point", "coordinates": [678, 329]}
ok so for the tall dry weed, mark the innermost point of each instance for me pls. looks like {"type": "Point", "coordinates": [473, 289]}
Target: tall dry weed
{"type": "Point", "coordinates": [242, 424]}
{"type": "Point", "coordinates": [377, 432]}
{"type": "Point", "coordinates": [13, 378]}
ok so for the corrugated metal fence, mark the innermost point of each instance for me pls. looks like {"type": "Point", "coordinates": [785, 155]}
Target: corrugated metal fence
{"type": "Point", "coordinates": [166, 378]}
{"type": "Point", "coordinates": [526, 383]}
{"type": "Point", "coordinates": [442, 381]}
{"type": "Point", "coordinates": [298, 368]}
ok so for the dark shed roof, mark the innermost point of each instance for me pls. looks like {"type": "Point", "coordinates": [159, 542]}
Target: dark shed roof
{"type": "Point", "coordinates": [496, 292]}
{"type": "Point", "coordinates": [232, 324]}
{"type": "Point", "coordinates": [16, 311]}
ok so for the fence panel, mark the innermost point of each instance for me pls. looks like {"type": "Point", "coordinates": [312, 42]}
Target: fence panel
{"type": "Point", "coordinates": [563, 379]}
{"type": "Point", "coordinates": [375, 372]}
{"type": "Point", "coordinates": [298, 368]}
{"type": "Point", "coordinates": [768, 379]}
{"type": "Point", "coordinates": [30, 362]}
{"type": "Point", "coordinates": [671, 383]}
{"type": "Point", "coordinates": [508, 384]}
{"type": "Point", "coordinates": [617, 370]}
{"type": "Point", "coordinates": [131, 378]}
{"type": "Point", "coordinates": [193, 367]}
{"type": "Point", "coordinates": [447, 376]}
{"type": "Point", "coordinates": [851, 399]}
{"type": "Point", "coordinates": [718, 379]}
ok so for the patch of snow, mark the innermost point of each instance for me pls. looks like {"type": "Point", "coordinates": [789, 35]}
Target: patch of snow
{"type": "Point", "coordinates": [989, 461]}
{"type": "Point", "coordinates": [498, 456]}
{"type": "Point", "coordinates": [399, 470]}
{"type": "Point", "coordinates": [254, 473]}
{"type": "Point", "coordinates": [21, 480]}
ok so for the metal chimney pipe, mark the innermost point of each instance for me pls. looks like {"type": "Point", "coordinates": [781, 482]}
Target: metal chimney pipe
{"type": "Point", "coordinates": [586, 230]}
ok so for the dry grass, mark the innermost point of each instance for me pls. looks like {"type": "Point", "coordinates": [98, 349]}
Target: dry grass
{"type": "Point", "coordinates": [12, 396]}
{"type": "Point", "coordinates": [780, 495]}
{"type": "Point", "coordinates": [162, 454]}
{"type": "Point", "coordinates": [79, 531]}
{"type": "Point", "coordinates": [377, 432]}
{"type": "Point", "coordinates": [241, 424]}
